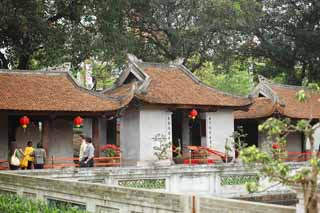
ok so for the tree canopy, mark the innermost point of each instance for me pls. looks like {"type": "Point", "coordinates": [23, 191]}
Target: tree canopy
{"type": "Point", "coordinates": [280, 38]}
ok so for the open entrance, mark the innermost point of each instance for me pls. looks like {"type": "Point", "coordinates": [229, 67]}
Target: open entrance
{"type": "Point", "coordinates": [195, 132]}
{"type": "Point", "coordinates": [17, 136]}
{"type": "Point", "coordinates": [186, 131]}
{"type": "Point", "coordinates": [250, 128]}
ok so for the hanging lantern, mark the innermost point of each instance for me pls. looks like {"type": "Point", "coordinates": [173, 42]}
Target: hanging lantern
{"type": "Point", "coordinates": [275, 146]}
{"type": "Point", "coordinates": [78, 121]}
{"type": "Point", "coordinates": [193, 114]}
{"type": "Point", "coordinates": [24, 121]}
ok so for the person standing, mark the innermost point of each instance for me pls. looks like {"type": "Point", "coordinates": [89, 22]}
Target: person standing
{"type": "Point", "coordinates": [39, 156]}
{"type": "Point", "coordinates": [15, 156]}
{"type": "Point", "coordinates": [88, 154]}
{"type": "Point", "coordinates": [28, 158]}
{"type": "Point", "coordinates": [82, 147]}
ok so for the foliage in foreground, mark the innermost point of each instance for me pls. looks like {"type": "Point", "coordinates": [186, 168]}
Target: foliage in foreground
{"type": "Point", "coordinates": [272, 163]}
{"type": "Point", "coordinates": [16, 204]}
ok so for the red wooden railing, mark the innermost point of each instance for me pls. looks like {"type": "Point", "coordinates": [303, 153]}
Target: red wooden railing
{"type": "Point", "coordinates": [62, 162]}
{"type": "Point", "coordinates": [299, 156]}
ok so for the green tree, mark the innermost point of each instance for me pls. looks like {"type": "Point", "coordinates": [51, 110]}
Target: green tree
{"type": "Point", "coordinates": [235, 80]}
{"type": "Point", "coordinates": [36, 34]}
{"type": "Point", "coordinates": [285, 34]}
{"type": "Point", "coordinates": [167, 30]}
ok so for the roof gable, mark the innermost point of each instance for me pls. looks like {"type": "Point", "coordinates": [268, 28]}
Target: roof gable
{"type": "Point", "coordinates": [282, 100]}
{"type": "Point", "coordinates": [174, 84]}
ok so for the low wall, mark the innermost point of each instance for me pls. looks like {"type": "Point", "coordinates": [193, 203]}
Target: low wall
{"type": "Point", "coordinates": [218, 180]}
{"type": "Point", "coordinates": [101, 198]}
{"type": "Point", "coordinates": [287, 199]}
{"type": "Point", "coordinates": [218, 205]}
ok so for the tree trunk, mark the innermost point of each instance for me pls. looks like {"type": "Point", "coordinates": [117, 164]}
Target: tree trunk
{"type": "Point", "coordinates": [23, 62]}
{"type": "Point", "coordinates": [4, 64]}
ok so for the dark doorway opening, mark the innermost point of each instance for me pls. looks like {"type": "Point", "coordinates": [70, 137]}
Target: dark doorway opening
{"type": "Point", "coordinates": [177, 118]}
{"type": "Point", "coordinates": [194, 129]}
{"type": "Point", "coordinates": [250, 128]}
{"type": "Point", "coordinates": [112, 131]}
{"type": "Point", "coordinates": [195, 132]}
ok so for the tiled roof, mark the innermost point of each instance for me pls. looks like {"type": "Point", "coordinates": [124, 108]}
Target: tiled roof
{"type": "Point", "coordinates": [291, 107]}
{"type": "Point", "coordinates": [286, 104]}
{"type": "Point", "coordinates": [49, 91]}
{"type": "Point", "coordinates": [173, 84]}
{"type": "Point", "coordinates": [261, 107]}
{"type": "Point", "coordinates": [123, 93]}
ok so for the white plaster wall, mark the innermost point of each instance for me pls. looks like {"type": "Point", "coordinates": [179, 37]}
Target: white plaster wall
{"type": "Point", "coordinates": [264, 143]}
{"type": "Point", "coordinates": [203, 139]}
{"type": "Point", "coordinates": [3, 136]}
{"type": "Point", "coordinates": [153, 122]}
{"type": "Point", "coordinates": [60, 138]}
{"type": "Point", "coordinates": [316, 140]}
{"type": "Point", "coordinates": [222, 127]}
{"type": "Point", "coordinates": [294, 143]}
{"type": "Point", "coordinates": [31, 133]}
{"type": "Point", "coordinates": [130, 135]}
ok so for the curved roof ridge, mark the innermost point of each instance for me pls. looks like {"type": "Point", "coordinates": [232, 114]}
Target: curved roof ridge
{"type": "Point", "coordinates": [190, 75]}
{"type": "Point", "coordinates": [83, 89]}
{"type": "Point", "coordinates": [265, 80]}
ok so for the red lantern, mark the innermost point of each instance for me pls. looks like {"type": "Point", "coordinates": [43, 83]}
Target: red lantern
{"type": "Point", "coordinates": [24, 121]}
{"type": "Point", "coordinates": [193, 114]}
{"type": "Point", "coordinates": [275, 146]}
{"type": "Point", "coordinates": [78, 121]}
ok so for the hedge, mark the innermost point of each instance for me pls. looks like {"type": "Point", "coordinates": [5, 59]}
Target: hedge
{"type": "Point", "coordinates": [16, 204]}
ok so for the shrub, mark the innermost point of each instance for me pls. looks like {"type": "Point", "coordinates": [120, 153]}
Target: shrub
{"type": "Point", "coordinates": [110, 150]}
{"type": "Point", "coordinates": [16, 204]}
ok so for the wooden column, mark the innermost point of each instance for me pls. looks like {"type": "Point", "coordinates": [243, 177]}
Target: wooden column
{"type": "Point", "coordinates": [45, 134]}
{"type": "Point", "coordinates": [96, 136]}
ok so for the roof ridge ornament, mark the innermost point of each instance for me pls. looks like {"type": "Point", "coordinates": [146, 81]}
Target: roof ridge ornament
{"type": "Point", "coordinates": [263, 79]}
{"type": "Point", "coordinates": [178, 61]}
{"type": "Point", "coordinates": [65, 67]}
{"type": "Point", "coordinates": [133, 58]}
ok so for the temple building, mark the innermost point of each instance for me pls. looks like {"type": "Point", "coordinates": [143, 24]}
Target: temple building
{"type": "Point", "coordinates": [278, 100]}
{"type": "Point", "coordinates": [51, 100]}
{"type": "Point", "coordinates": [149, 102]}
{"type": "Point", "coordinates": [163, 96]}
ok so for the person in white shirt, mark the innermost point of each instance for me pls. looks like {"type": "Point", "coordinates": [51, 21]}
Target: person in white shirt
{"type": "Point", "coordinates": [82, 147]}
{"type": "Point", "coordinates": [88, 154]}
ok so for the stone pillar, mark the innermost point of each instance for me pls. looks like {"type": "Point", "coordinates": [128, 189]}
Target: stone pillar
{"type": "Point", "coordinates": [130, 136]}
{"type": "Point", "coordinates": [102, 132]}
{"type": "Point", "coordinates": [87, 127]}
{"type": "Point", "coordinates": [96, 136]}
{"type": "Point", "coordinates": [45, 134]}
{"type": "Point", "coordinates": [60, 138]}
{"type": "Point", "coordinates": [185, 132]}
{"type": "Point", "coordinates": [3, 136]}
